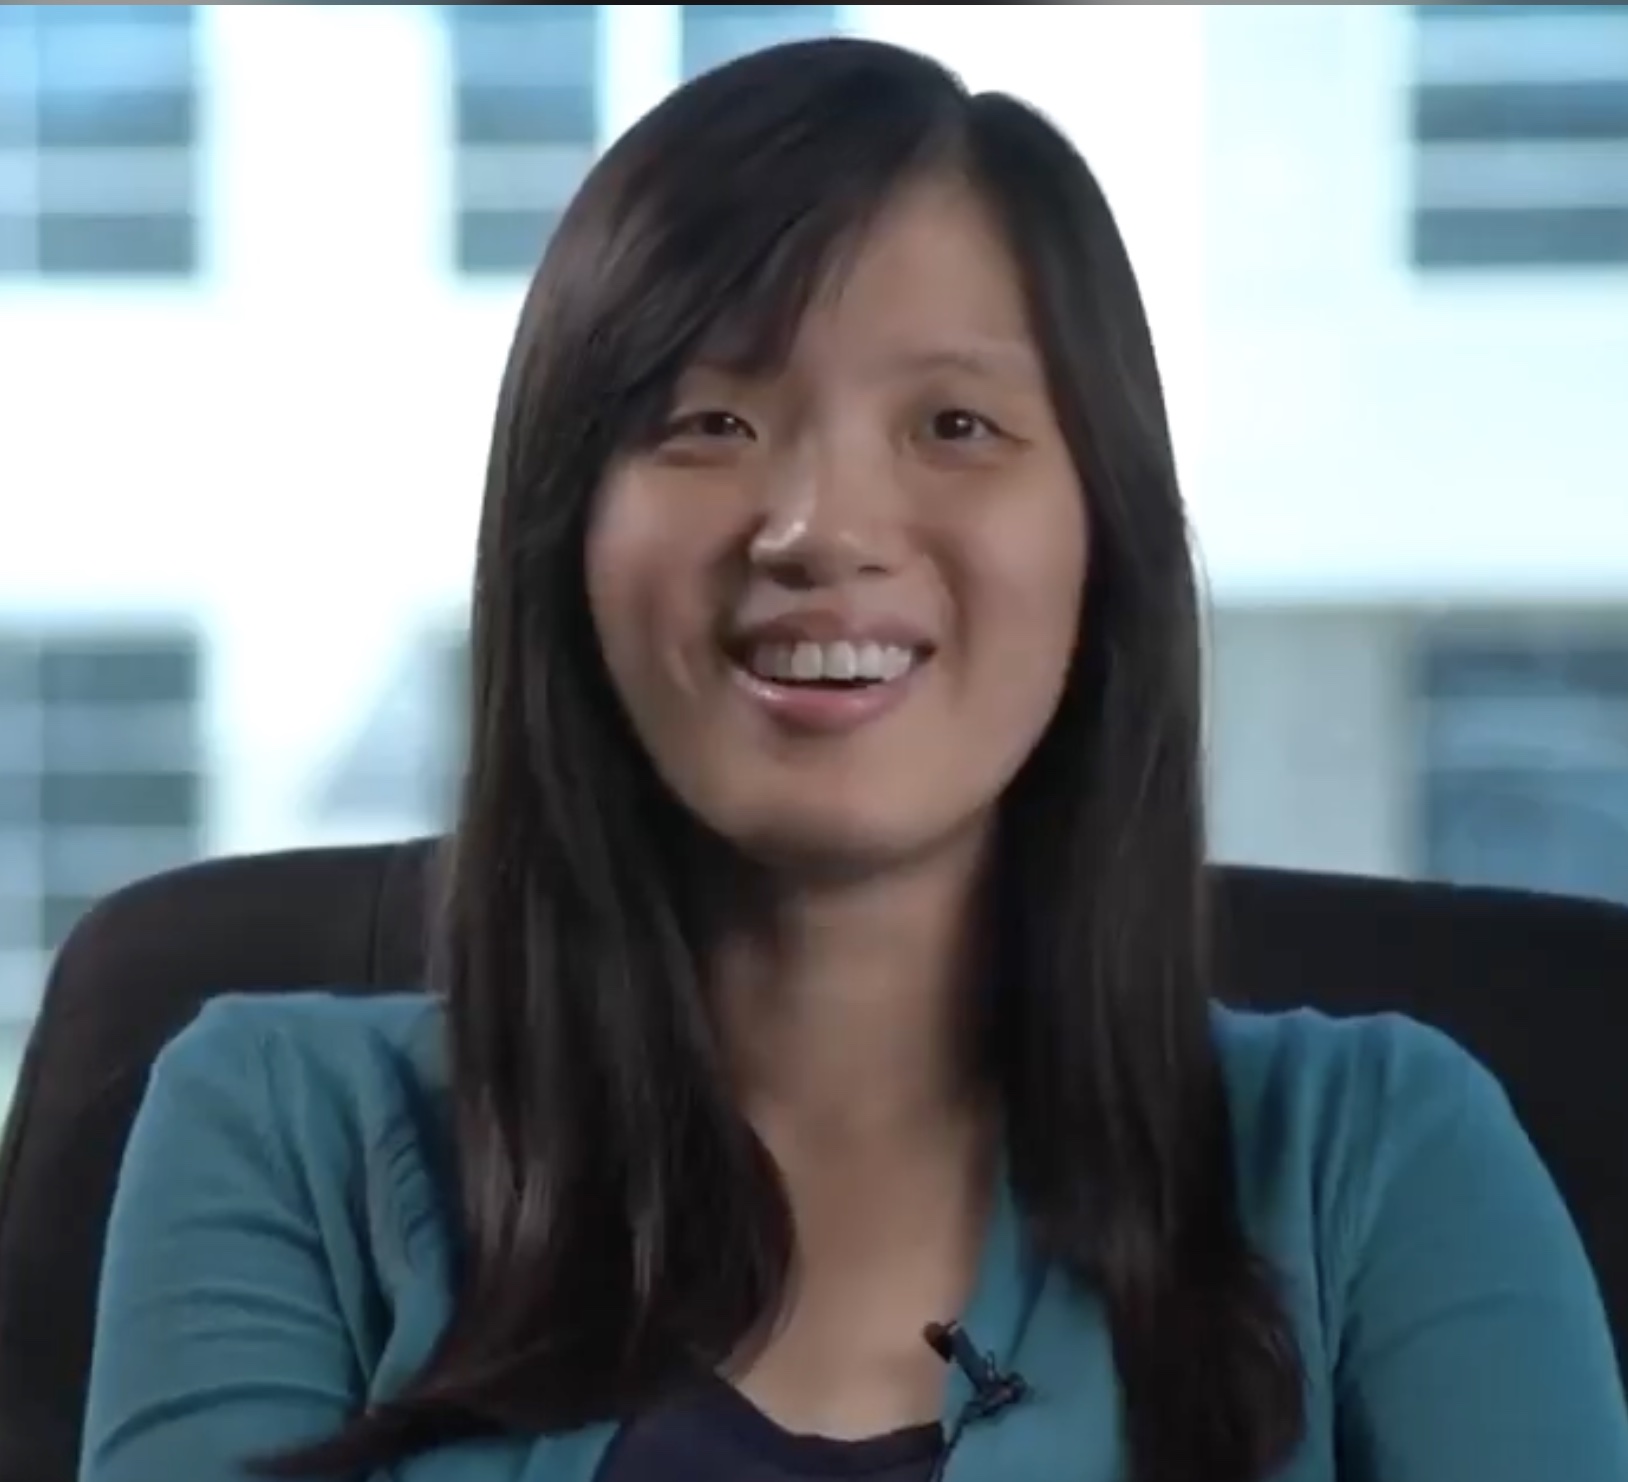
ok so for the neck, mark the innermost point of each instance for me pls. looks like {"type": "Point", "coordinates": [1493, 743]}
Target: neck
{"type": "Point", "coordinates": [846, 1016]}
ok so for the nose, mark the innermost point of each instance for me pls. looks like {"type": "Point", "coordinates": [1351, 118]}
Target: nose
{"type": "Point", "coordinates": [824, 522]}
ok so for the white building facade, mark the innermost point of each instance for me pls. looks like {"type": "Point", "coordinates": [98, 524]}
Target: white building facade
{"type": "Point", "coordinates": [249, 348]}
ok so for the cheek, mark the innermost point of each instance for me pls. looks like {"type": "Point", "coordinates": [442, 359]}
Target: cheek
{"type": "Point", "coordinates": [647, 585]}
{"type": "Point", "coordinates": [1026, 583]}
{"type": "Point", "coordinates": [624, 581]}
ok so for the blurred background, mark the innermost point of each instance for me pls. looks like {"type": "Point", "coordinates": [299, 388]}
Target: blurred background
{"type": "Point", "coordinates": [259, 265]}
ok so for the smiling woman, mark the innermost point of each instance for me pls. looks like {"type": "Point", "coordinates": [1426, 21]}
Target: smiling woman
{"type": "Point", "coordinates": [823, 964]}
{"type": "Point", "coordinates": [894, 486]}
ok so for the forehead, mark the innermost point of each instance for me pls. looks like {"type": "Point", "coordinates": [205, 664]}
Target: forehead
{"type": "Point", "coordinates": [929, 282]}
{"type": "Point", "coordinates": [932, 275]}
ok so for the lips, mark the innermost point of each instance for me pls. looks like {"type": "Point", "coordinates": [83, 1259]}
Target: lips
{"type": "Point", "coordinates": [841, 662]}
{"type": "Point", "coordinates": [816, 673]}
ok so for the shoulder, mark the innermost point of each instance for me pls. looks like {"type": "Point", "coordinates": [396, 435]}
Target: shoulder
{"type": "Point", "coordinates": [322, 1116]}
{"type": "Point", "coordinates": [345, 1046]}
{"type": "Point", "coordinates": [277, 1250]}
{"type": "Point", "coordinates": [1332, 1111]}
{"type": "Point", "coordinates": [1373, 1074]}
{"type": "Point", "coordinates": [330, 1087]}
{"type": "Point", "coordinates": [1446, 1310]}
{"type": "Point", "coordinates": [1358, 1138]}
{"type": "Point", "coordinates": [1329, 1114]}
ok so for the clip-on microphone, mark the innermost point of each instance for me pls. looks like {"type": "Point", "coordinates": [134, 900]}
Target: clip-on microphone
{"type": "Point", "coordinates": [993, 1388]}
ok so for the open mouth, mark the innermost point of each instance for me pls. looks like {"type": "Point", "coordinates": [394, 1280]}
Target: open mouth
{"type": "Point", "coordinates": [842, 665]}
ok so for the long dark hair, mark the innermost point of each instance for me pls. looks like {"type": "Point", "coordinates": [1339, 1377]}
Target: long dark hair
{"type": "Point", "coordinates": [620, 1223]}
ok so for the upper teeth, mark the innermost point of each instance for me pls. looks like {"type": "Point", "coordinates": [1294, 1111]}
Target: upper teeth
{"type": "Point", "coordinates": [807, 663]}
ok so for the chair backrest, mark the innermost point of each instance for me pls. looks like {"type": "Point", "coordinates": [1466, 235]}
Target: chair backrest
{"type": "Point", "coordinates": [1537, 987]}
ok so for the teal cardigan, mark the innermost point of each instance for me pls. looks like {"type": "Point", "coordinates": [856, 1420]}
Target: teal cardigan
{"type": "Point", "coordinates": [279, 1255]}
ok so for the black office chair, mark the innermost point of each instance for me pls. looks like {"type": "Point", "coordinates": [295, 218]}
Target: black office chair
{"type": "Point", "coordinates": [1537, 987]}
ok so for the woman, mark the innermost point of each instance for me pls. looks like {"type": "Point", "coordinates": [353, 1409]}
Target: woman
{"type": "Point", "coordinates": [824, 953]}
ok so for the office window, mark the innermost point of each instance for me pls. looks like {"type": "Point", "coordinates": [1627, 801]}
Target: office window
{"type": "Point", "coordinates": [526, 109]}
{"type": "Point", "coordinates": [1520, 136]}
{"type": "Point", "coordinates": [100, 781]}
{"type": "Point", "coordinates": [98, 141]}
{"type": "Point", "coordinates": [715, 34]}
{"type": "Point", "coordinates": [398, 767]}
{"type": "Point", "coordinates": [1525, 779]}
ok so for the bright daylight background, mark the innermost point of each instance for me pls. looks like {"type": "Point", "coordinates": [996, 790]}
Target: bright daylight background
{"type": "Point", "coordinates": [259, 265]}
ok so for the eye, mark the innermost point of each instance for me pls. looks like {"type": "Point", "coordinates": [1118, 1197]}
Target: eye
{"type": "Point", "coordinates": [958, 425]}
{"type": "Point", "coordinates": [709, 425]}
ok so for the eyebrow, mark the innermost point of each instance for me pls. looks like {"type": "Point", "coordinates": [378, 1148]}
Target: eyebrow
{"type": "Point", "coordinates": [991, 358]}
{"type": "Point", "coordinates": [983, 358]}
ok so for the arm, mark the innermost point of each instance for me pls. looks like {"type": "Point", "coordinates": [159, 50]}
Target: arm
{"type": "Point", "coordinates": [1475, 1345]}
{"type": "Point", "coordinates": [218, 1336]}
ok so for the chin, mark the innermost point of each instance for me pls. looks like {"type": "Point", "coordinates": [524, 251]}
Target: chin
{"type": "Point", "coordinates": [798, 821]}
{"type": "Point", "coordinates": [818, 847]}
{"type": "Point", "coordinates": [841, 843]}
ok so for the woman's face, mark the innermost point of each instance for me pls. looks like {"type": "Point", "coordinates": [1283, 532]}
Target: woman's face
{"type": "Point", "coordinates": [839, 601]}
